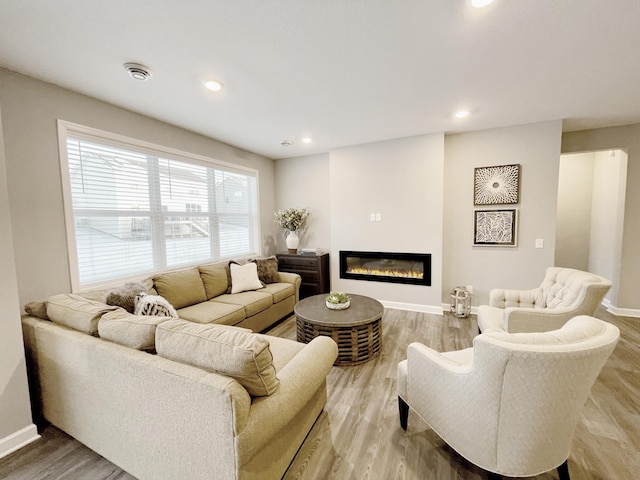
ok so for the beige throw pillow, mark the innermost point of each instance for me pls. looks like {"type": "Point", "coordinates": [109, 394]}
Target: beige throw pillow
{"type": "Point", "coordinates": [37, 309]}
{"type": "Point", "coordinates": [244, 277]}
{"type": "Point", "coordinates": [227, 350]}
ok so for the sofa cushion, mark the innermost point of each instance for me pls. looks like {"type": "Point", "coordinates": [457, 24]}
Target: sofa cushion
{"type": "Point", "coordinates": [267, 269]}
{"type": "Point", "coordinates": [244, 278]}
{"type": "Point", "coordinates": [227, 350]}
{"type": "Point", "coordinates": [279, 291]}
{"type": "Point", "coordinates": [253, 302]}
{"type": "Point", "coordinates": [213, 312]}
{"type": "Point", "coordinates": [182, 287]}
{"type": "Point", "coordinates": [77, 312]}
{"type": "Point", "coordinates": [133, 331]}
{"type": "Point", "coordinates": [216, 279]}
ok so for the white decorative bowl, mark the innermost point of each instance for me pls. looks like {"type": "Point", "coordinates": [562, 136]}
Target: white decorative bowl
{"type": "Point", "coordinates": [338, 306]}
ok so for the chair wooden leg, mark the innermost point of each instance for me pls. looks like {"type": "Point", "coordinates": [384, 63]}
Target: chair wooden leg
{"type": "Point", "coordinates": [563, 471]}
{"type": "Point", "coordinates": [404, 412]}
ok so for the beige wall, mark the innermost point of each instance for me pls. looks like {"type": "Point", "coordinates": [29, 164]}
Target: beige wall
{"type": "Point", "coordinates": [30, 109]}
{"type": "Point", "coordinates": [16, 427]}
{"type": "Point", "coordinates": [536, 148]}
{"type": "Point", "coordinates": [575, 187]}
{"type": "Point", "coordinates": [607, 216]}
{"type": "Point", "coordinates": [591, 193]}
{"type": "Point", "coordinates": [423, 187]}
{"type": "Point", "coordinates": [402, 180]}
{"type": "Point", "coordinates": [304, 182]}
{"type": "Point", "coordinates": [626, 138]}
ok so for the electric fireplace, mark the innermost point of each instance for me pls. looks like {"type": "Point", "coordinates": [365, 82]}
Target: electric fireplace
{"type": "Point", "coordinates": [409, 268]}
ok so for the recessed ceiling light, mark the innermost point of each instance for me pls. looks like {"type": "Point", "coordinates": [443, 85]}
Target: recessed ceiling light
{"type": "Point", "coordinates": [137, 71]}
{"type": "Point", "coordinates": [307, 140]}
{"type": "Point", "coordinates": [480, 3]}
{"type": "Point", "coordinates": [461, 114]}
{"type": "Point", "coordinates": [213, 85]}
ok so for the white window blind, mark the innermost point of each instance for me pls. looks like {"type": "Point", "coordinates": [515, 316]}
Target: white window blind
{"type": "Point", "coordinates": [137, 210]}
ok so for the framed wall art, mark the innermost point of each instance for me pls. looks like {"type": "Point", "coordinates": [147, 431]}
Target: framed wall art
{"type": "Point", "coordinates": [499, 185]}
{"type": "Point", "coordinates": [495, 227]}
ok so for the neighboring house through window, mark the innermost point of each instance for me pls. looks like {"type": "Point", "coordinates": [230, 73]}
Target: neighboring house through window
{"type": "Point", "coordinates": [134, 208]}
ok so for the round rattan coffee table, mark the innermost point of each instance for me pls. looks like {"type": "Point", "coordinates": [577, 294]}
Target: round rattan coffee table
{"type": "Point", "coordinates": [356, 330]}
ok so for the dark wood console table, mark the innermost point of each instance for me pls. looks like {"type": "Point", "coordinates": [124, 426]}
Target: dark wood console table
{"type": "Point", "coordinates": [314, 270]}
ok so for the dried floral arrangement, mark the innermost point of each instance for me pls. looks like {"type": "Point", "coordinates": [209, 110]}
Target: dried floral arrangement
{"type": "Point", "coordinates": [292, 219]}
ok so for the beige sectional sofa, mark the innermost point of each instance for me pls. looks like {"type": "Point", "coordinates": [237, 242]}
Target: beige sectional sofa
{"type": "Point", "coordinates": [202, 294]}
{"type": "Point", "coordinates": [216, 401]}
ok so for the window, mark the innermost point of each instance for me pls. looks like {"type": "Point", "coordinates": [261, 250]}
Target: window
{"type": "Point", "coordinates": [133, 208]}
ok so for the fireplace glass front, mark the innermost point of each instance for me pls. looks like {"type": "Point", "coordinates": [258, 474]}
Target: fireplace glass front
{"type": "Point", "coordinates": [410, 268]}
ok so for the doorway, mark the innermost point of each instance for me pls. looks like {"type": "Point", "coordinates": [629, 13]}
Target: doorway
{"type": "Point", "coordinates": [590, 216]}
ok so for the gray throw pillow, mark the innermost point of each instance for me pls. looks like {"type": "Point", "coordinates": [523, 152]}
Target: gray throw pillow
{"type": "Point", "coordinates": [125, 295]}
{"type": "Point", "coordinates": [267, 269]}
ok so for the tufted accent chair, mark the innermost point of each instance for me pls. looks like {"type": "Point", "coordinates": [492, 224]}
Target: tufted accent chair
{"type": "Point", "coordinates": [509, 404]}
{"type": "Point", "coordinates": [563, 294]}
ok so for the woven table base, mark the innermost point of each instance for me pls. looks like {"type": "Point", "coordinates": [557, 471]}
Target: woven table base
{"type": "Point", "coordinates": [356, 344]}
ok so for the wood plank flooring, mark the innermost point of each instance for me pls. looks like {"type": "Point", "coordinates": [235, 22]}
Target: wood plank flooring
{"type": "Point", "coordinates": [358, 434]}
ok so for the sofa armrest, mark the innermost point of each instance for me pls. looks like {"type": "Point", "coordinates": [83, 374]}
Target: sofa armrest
{"type": "Point", "coordinates": [519, 320]}
{"type": "Point", "coordinates": [293, 278]}
{"type": "Point", "coordinates": [505, 297]}
{"type": "Point", "coordinates": [300, 379]}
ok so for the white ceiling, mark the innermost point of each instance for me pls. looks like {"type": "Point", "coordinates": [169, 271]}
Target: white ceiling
{"type": "Point", "coordinates": [343, 72]}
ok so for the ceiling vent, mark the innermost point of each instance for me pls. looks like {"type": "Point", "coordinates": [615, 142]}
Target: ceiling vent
{"type": "Point", "coordinates": [137, 71]}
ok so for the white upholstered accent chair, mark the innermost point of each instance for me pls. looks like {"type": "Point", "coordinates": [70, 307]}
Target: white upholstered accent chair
{"type": "Point", "coordinates": [509, 404]}
{"type": "Point", "coordinates": [563, 294]}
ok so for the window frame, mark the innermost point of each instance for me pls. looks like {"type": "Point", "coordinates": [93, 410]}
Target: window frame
{"type": "Point", "coordinates": [66, 129]}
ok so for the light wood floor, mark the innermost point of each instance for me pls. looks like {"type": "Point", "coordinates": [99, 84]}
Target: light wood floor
{"type": "Point", "coordinates": [358, 435]}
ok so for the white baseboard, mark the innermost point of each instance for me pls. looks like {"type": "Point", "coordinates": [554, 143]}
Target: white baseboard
{"type": "Point", "coordinates": [412, 307]}
{"type": "Point", "coordinates": [17, 440]}
{"type": "Point", "coordinates": [623, 312]}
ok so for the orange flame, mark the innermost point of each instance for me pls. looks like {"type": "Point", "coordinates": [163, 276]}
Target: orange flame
{"type": "Point", "coordinates": [386, 272]}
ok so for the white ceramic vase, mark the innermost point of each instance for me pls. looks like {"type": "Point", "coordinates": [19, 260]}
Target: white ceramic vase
{"type": "Point", "coordinates": [293, 241]}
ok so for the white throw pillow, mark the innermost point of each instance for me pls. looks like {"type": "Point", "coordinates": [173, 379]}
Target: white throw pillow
{"type": "Point", "coordinates": [146, 304]}
{"type": "Point", "coordinates": [244, 277]}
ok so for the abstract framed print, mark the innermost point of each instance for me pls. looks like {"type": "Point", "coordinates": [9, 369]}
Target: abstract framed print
{"type": "Point", "coordinates": [499, 185]}
{"type": "Point", "coordinates": [495, 227]}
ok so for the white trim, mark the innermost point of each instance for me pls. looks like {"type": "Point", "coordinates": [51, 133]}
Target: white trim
{"type": "Point", "coordinates": [412, 307]}
{"type": "Point", "coordinates": [622, 312]}
{"type": "Point", "coordinates": [17, 440]}
{"type": "Point", "coordinates": [72, 247]}
{"type": "Point", "coordinates": [115, 139]}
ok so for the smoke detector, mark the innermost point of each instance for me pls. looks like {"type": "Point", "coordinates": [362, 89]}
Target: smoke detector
{"type": "Point", "coordinates": [286, 143]}
{"type": "Point", "coordinates": [137, 71]}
